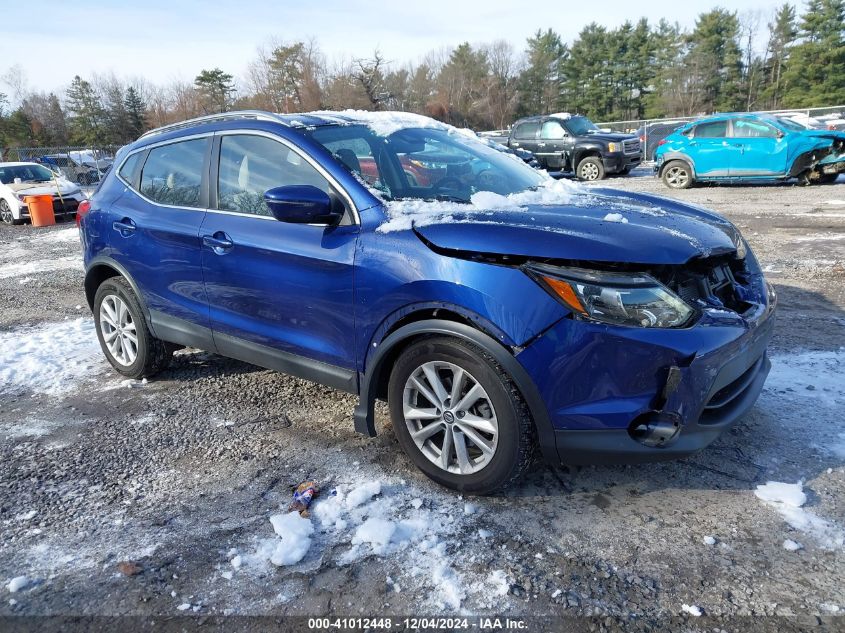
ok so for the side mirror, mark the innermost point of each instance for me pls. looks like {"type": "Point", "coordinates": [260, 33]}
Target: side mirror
{"type": "Point", "coordinates": [301, 204]}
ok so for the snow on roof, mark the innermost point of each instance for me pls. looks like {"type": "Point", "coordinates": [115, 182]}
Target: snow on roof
{"type": "Point", "coordinates": [382, 123]}
{"type": "Point", "coordinates": [562, 115]}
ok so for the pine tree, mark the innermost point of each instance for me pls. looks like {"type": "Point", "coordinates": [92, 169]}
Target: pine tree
{"type": "Point", "coordinates": [815, 70]}
{"type": "Point", "coordinates": [540, 82]}
{"type": "Point", "coordinates": [215, 89]}
{"type": "Point", "coordinates": [782, 34]}
{"type": "Point", "coordinates": [135, 112]}
{"type": "Point", "coordinates": [714, 62]}
{"type": "Point", "coordinates": [86, 113]}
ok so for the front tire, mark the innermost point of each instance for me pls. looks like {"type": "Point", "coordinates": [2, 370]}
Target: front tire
{"type": "Point", "coordinates": [6, 215]}
{"type": "Point", "coordinates": [677, 175]}
{"type": "Point", "coordinates": [122, 331]}
{"type": "Point", "coordinates": [589, 169]}
{"type": "Point", "coordinates": [459, 416]}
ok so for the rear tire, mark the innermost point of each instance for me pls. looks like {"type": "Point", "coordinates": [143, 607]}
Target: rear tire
{"type": "Point", "coordinates": [475, 411]}
{"type": "Point", "coordinates": [677, 175]}
{"type": "Point", "coordinates": [590, 169]}
{"type": "Point", "coordinates": [122, 331]}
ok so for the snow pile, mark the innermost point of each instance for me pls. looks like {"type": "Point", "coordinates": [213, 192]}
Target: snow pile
{"type": "Point", "coordinates": [58, 237]}
{"type": "Point", "coordinates": [295, 532]}
{"type": "Point", "coordinates": [403, 214]}
{"type": "Point", "coordinates": [616, 217]}
{"type": "Point", "coordinates": [788, 500]}
{"type": "Point", "coordinates": [50, 358]}
{"type": "Point", "coordinates": [41, 266]}
{"type": "Point", "coordinates": [17, 583]}
{"type": "Point", "coordinates": [791, 546]}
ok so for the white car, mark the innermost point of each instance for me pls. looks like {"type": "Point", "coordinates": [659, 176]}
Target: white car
{"type": "Point", "coordinates": [18, 180]}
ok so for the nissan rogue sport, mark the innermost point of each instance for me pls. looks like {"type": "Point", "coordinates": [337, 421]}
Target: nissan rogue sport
{"type": "Point", "coordinates": [496, 310]}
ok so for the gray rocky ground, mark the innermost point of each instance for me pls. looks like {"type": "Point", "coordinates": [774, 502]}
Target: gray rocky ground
{"type": "Point", "coordinates": [180, 475]}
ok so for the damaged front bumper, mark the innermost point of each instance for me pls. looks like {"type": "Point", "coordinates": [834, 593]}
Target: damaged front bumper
{"type": "Point", "coordinates": [621, 394]}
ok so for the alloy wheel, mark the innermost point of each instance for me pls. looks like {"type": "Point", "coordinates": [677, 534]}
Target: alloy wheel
{"type": "Point", "coordinates": [118, 330]}
{"type": "Point", "coordinates": [450, 417]}
{"type": "Point", "coordinates": [5, 213]}
{"type": "Point", "coordinates": [677, 177]}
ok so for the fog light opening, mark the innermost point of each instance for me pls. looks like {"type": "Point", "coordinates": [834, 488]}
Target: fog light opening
{"type": "Point", "coordinates": [653, 431]}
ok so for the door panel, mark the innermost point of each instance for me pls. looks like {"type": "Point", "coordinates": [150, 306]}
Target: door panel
{"type": "Point", "coordinates": [159, 243]}
{"type": "Point", "coordinates": [711, 149]}
{"type": "Point", "coordinates": [275, 284]}
{"type": "Point", "coordinates": [761, 151]}
{"type": "Point", "coordinates": [552, 144]}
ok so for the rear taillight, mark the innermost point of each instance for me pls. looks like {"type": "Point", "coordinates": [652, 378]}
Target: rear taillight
{"type": "Point", "coordinates": [82, 210]}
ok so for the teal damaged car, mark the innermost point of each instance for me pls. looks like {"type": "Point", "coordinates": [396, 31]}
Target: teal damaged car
{"type": "Point", "coordinates": [748, 147]}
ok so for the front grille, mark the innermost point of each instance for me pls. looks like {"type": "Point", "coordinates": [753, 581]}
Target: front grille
{"type": "Point", "coordinates": [631, 146]}
{"type": "Point", "coordinates": [64, 206]}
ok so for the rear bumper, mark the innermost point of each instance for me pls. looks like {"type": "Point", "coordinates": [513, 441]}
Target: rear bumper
{"type": "Point", "coordinates": [600, 383]}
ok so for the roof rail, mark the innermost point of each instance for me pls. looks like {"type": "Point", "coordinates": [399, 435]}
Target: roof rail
{"type": "Point", "coordinates": [258, 115]}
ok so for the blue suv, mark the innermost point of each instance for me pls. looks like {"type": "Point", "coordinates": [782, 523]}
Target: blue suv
{"type": "Point", "coordinates": [744, 147]}
{"type": "Point", "coordinates": [393, 257]}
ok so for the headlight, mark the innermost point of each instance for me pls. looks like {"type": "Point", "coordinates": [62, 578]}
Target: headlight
{"type": "Point", "coordinates": [614, 147]}
{"type": "Point", "coordinates": [617, 298]}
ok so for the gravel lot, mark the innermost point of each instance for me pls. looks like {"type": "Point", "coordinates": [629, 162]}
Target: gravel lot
{"type": "Point", "coordinates": [181, 475]}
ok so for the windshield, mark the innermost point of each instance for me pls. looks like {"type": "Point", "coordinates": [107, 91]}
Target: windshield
{"type": "Point", "coordinates": [580, 125]}
{"type": "Point", "coordinates": [425, 163]}
{"type": "Point", "coordinates": [789, 124]}
{"type": "Point", "coordinates": [27, 173]}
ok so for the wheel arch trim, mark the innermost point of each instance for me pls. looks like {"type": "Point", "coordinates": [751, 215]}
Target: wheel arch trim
{"type": "Point", "coordinates": [102, 261]}
{"type": "Point", "coordinates": [364, 416]}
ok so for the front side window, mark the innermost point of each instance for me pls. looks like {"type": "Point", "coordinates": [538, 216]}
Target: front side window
{"type": "Point", "coordinates": [747, 128]}
{"type": "Point", "coordinates": [552, 130]}
{"type": "Point", "coordinates": [173, 173]}
{"type": "Point", "coordinates": [251, 165]}
{"type": "Point", "coordinates": [429, 163]}
{"type": "Point", "coordinates": [714, 129]}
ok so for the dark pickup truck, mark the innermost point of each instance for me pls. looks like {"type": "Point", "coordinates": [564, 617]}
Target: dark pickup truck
{"type": "Point", "coordinates": [563, 142]}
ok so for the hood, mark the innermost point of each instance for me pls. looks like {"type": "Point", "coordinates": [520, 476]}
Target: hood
{"type": "Point", "coordinates": [616, 137]}
{"type": "Point", "coordinates": [601, 226]}
{"type": "Point", "coordinates": [43, 188]}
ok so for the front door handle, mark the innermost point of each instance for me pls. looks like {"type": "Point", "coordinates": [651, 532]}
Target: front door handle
{"type": "Point", "coordinates": [125, 227]}
{"type": "Point", "coordinates": [220, 243]}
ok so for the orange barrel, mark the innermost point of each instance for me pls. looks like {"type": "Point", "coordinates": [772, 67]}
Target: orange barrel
{"type": "Point", "coordinates": [40, 210]}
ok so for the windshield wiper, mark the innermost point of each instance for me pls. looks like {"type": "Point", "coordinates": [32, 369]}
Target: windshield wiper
{"type": "Point", "coordinates": [445, 197]}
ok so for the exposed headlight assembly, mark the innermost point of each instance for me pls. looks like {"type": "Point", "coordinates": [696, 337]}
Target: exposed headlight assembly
{"type": "Point", "coordinates": [630, 299]}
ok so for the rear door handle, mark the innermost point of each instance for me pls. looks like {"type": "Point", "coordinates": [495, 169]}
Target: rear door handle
{"type": "Point", "coordinates": [220, 243]}
{"type": "Point", "coordinates": [125, 227]}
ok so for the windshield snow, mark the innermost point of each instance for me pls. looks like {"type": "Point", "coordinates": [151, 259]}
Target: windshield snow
{"type": "Point", "coordinates": [434, 162]}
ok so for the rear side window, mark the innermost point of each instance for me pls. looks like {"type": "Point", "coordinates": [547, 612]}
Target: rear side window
{"type": "Point", "coordinates": [250, 165]}
{"type": "Point", "coordinates": [526, 130]}
{"type": "Point", "coordinates": [173, 173]}
{"type": "Point", "coordinates": [714, 129]}
{"type": "Point", "coordinates": [129, 169]}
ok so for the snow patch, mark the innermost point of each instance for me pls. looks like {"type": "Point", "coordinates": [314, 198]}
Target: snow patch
{"type": "Point", "coordinates": [37, 266]}
{"type": "Point", "coordinates": [616, 217]}
{"type": "Point", "coordinates": [691, 609]}
{"type": "Point", "coordinates": [363, 493]}
{"type": "Point", "coordinates": [50, 358]}
{"type": "Point", "coordinates": [788, 500]}
{"type": "Point", "coordinates": [17, 583]}
{"type": "Point", "coordinates": [791, 546]}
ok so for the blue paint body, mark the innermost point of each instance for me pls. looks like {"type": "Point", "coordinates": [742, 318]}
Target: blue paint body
{"type": "Point", "coordinates": [753, 147]}
{"type": "Point", "coordinates": [333, 294]}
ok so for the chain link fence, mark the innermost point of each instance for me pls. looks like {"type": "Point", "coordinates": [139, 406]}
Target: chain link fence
{"type": "Point", "coordinates": [84, 165]}
{"type": "Point", "coordinates": [652, 131]}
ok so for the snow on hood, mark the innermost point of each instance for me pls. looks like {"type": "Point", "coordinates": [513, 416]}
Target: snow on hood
{"type": "Point", "coordinates": [43, 188]}
{"type": "Point", "coordinates": [403, 214]}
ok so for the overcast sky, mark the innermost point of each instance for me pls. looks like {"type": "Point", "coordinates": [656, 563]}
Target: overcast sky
{"type": "Point", "coordinates": [162, 40]}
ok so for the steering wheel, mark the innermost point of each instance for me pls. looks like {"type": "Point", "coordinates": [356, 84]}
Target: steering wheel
{"type": "Point", "coordinates": [449, 184]}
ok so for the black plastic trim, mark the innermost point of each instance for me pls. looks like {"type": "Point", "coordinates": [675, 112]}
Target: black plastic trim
{"type": "Point", "coordinates": [285, 362]}
{"type": "Point", "coordinates": [176, 330]}
{"type": "Point", "coordinates": [365, 410]}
